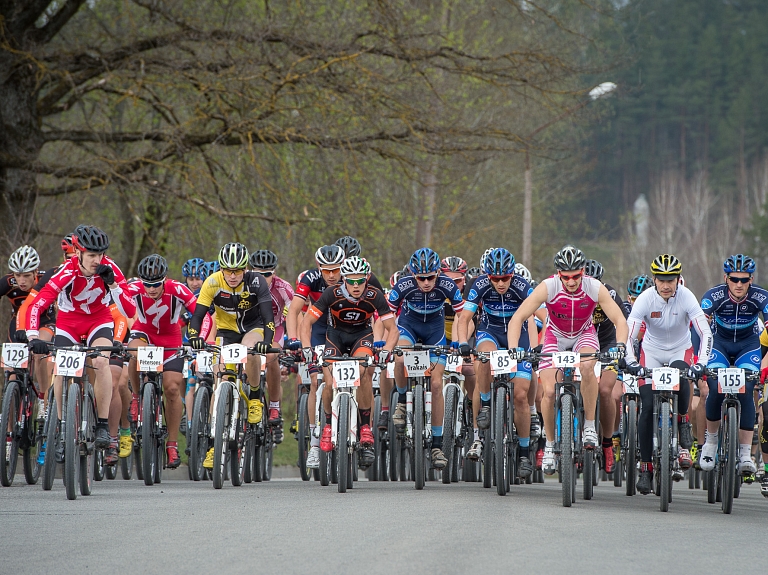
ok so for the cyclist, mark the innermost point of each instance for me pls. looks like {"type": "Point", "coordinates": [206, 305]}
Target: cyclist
{"type": "Point", "coordinates": [733, 308]}
{"type": "Point", "coordinates": [350, 246]}
{"type": "Point", "coordinates": [350, 308]}
{"type": "Point", "coordinates": [666, 312]}
{"type": "Point", "coordinates": [160, 302]}
{"type": "Point", "coordinates": [420, 300]}
{"type": "Point", "coordinates": [497, 294]}
{"type": "Point", "coordinates": [195, 271]}
{"type": "Point", "coordinates": [265, 262]}
{"type": "Point", "coordinates": [81, 288]}
{"type": "Point", "coordinates": [636, 286]}
{"type": "Point", "coordinates": [570, 298]}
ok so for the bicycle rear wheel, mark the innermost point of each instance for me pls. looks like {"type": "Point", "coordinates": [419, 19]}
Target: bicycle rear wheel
{"type": "Point", "coordinates": [304, 437]}
{"type": "Point", "coordinates": [342, 443]}
{"type": "Point", "coordinates": [52, 437]}
{"type": "Point", "coordinates": [499, 442]}
{"type": "Point", "coordinates": [589, 474]}
{"type": "Point", "coordinates": [200, 431]}
{"type": "Point", "coordinates": [221, 434]}
{"type": "Point", "coordinates": [567, 470]}
{"type": "Point", "coordinates": [250, 449]}
{"type": "Point", "coordinates": [268, 457]}
{"type": "Point", "coordinates": [325, 468]}
{"type": "Point", "coordinates": [731, 444]}
{"type": "Point", "coordinates": [451, 395]}
{"type": "Point", "coordinates": [10, 423]}
{"type": "Point", "coordinates": [36, 438]}
{"type": "Point", "coordinates": [148, 436]}
{"type": "Point", "coordinates": [665, 459]}
{"type": "Point", "coordinates": [72, 441]}
{"type": "Point", "coordinates": [631, 447]}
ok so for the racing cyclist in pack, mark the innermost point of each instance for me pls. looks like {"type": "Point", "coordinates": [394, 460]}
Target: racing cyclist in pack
{"type": "Point", "coordinates": [265, 262]}
{"type": "Point", "coordinates": [82, 288]}
{"type": "Point", "coordinates": [666, 312]}
{"type": "Point", "coordinates": [496, 295]}
{"type": "Point", "coordinates": [350, 308]}
{"type": "Point", "coordinates": [571, 298]}
{"type": "Point", "coordinates": [733, 308]}
{"type": "Point", "coordinates": [420, 298]}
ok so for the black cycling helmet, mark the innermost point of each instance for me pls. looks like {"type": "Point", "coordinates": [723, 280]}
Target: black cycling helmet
{"type": "Point", "coordinates": [350, 246]}
{"type": "Point", "coordinates": [263, 260]}
{"type": "Point", "coordinates": [594, 269]}
{"type": "Point", "coordinates": [152, 268]}
{"type": "Point", "coordinates": [472, 273]}
{"type": "Point", "coordinates": [90, 239]}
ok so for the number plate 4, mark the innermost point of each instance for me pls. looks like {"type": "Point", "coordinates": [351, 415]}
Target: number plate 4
{"type": "Point", "coordinates": [150, 358]}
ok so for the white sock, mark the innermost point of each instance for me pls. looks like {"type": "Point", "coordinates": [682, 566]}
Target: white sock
{"type": "Point", "coordinates": [551, 444]}
{"type": "Point", "coordinates": [313, 441]}
{"type": "Point", "coordinates": [533, 409]}
{"type": "Point", "coordinates": [745, 451]}
{"type": "Point", "coordinates": [477, 434]}
{"type": "Point", "coordinates": [710, 438]}
{"type": "Point", "coordinates": [274, 405]}
{"type": "Point", "coordinates": [589, 424]}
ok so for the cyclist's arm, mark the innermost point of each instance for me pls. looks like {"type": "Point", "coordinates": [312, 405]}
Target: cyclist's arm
{"type": "Point", "coordinates": [292, 321]}
{"type": "Point", "coordinates": [305, 328]}
{"type": "Point", "coordinates": [392, 333]}
{"type": "Point", "coordinates": [265, 309]}
{"type": "Point", "coordinates": [701, 325]}
{"type": "Point", "coordinates": [378, 330]}
{"type": "Point", "coordinates": [462, 323]}
{"type": "Point", "coordinates": [634, 324]}
{"type": "Point", "coordinates": [613, 312]}
{"type": "Point", "coordinates": [202, 306]}
{"type": "Point", "coordinates": [526, 310]}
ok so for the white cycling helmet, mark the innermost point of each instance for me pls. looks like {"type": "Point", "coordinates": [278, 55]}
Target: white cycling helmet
{"type": "Point", "coordinates": [355, 265]}
{"type": "Point", "coordinates": [24, 260]}
{"type": "Point", "coordinates": [331, 255]}
{"type": "Point", "coordinates": [522, 271]}
{"type": "Point", "coordinates": [482, 257]}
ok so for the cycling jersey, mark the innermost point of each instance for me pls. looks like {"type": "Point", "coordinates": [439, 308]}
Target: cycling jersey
{"type": "Point", "coordinates": [420, 306]}
{"type": "Point", "coordinates": [348, 314]}
{"type": "Point", "coordinates": [161, 316]}
{"type": "Point", "coordinates": [49, 316]}
{"type": "Point", "coordinates": [496, 309]}
{"type": "Point", "coordinates": [570, 314]}
{"type": "Point", "coordinates": [240, 309]}
{"type": "Point", "coordinates": [606, 331]}
{"type": "Point", "coordinates": [731, 319]}
{"type": "Point", "coordinates": [667, 324]}
{"type": "Point", "coordinates": [282, 295]}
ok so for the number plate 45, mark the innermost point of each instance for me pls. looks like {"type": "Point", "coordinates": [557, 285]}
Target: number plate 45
{"type": "Point", "coordinates": [666, 379]}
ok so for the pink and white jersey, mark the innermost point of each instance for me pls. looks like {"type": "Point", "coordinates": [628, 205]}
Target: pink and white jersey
{"type": "Point", "coordinates": [162, 316]}
{"type": "Point", "coordinates": [571, 313]}
{"type": "Point", "coordinates": [282, 296]}
{"type": "Point", "coordinates": [80, 297]}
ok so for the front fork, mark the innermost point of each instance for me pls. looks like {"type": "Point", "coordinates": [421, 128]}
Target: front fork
{"type": "Point", "coordinates": [352, 418]}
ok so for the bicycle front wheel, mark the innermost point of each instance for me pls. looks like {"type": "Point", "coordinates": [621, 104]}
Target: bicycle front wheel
{"type": "Point", "coordinates": [499, 442]}
{"type": "Point", "coordinates": [419, 473]}
{"type": "Point", "coordinates": [631, 449]}
{"type": "Point", "coordinates": [10, 423]}
{"type": "Point", "coordinates": [665, 460]}
{"type": "Point", "coordinates": [52, 438]}
{"type": "Point", "coordinates": [342, 444]}
{"type": "Point", "coordinates": [304, 437]}
{"type": "Point", "coordinates": [237, 457]}
{"type": "Point", "coordinates": [72, 441]}
{"type": "Point", "coordinates": [148, 437]}
{"type": "Point", "coordinates": [451, 395]}
{"type": "Point", "coordinates": [36, 437]}
{"type": "Point", "coordinates": [200, 431]}
{"type": "Point", "coordinates": [566, 448]}
{"type": "Point", "coordinates": [731, 443]}
{"type": "Point", "coordinates": [221, 434]}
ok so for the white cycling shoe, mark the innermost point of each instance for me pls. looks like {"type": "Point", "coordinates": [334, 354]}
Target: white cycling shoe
{"type": "Point", "coordinates": [548, 465]}
{"type": "Point", "coordinates": [313, 458]}
{"type": "Point", "coordinates": [708, 455]}
{"type": "Point", "coordinates": [746, 465]}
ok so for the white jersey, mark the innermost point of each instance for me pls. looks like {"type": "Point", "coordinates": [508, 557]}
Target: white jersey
{"type": "Point", "coordinates": [667, 323]}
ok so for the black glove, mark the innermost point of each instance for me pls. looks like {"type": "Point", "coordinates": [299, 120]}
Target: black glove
{"type": "Point", "coordinates": [538, 348]}
{"type": "Point", "coordinates": [197, 343]}
{"type": "Point", "coordinates": [464, 349]}
{"type": "Point", "coordinates": [38, 346]}
{"type": "Point", "coordinates": [261, 347]}
{"type": "Point", "coordinates": [293, 344]}
{"type": "Point", "coordinates": [383, 356]}
{"type": "Point", "coordinates": [633, 368]}
{"type": "Point", "coordinates": [106, 273]}
{"type": "Point", "coordinates": [309, 354]}
{"type": "Point", "coordinates": [696, 371]}
{"type": "Point", "coordinates": [618, 351]}
{"type": "Point", "coordinates": [20, 336]}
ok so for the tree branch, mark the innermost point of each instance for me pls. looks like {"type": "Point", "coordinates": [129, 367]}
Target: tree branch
{"type": "Point", "coordinates": [57, 22]}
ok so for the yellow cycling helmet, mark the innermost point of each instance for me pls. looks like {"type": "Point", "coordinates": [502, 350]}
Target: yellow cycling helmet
{"type": "Point", "coordinates": [666, 265]}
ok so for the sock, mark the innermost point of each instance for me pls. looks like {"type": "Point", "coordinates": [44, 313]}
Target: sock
{"type": "Point", "coordinates": [384, 409]}
{"type": "Point", "coordinates": [113, 438]}
{"type": "Point", "coordinates": [524, 451]}
{"type": "Point", "coordinates": [365, 417]}
{"type": "Point", "coordinates": [171, 444]}
{"type": "Point", "coordinates": [102, 422]}
{"type": "Point", "coordinates": [745, 451]}
{"type": "Point", "coordinates": [125, 432]}
{"type": "Point", "coordinates": [710, 438]}
{"type": "Point", "coordinates": [437, 441]}
{"type": "Point", "coordinates": [533, 409]}
{"type": "Point", "coordinates": [274, 405]}
{"type": "Point", "coordinates": [765, 466]}
{"type": "Point", "coordinates": [683, 418]}
{"type": "Point", "coordinates": [254, 393]}
{"type": "Point", "coordinates": [313, 441]}
{"type": "Point", "coordinates": [525, 443]}
{"type": "Point", "coordinates": [401, 394]}
{"type": "Point", "coordinates": [327, 418]}
{"type": "Point", "coordinates": [646, 466]}
{"type": "Point", "coordinates": [589, 423]}
{"type": "Point", "coordinates": [607, 442]}
{"type": "Point", "coordinates": [550, 444]}
{"type": "Point", "coordinates": [476, 436]}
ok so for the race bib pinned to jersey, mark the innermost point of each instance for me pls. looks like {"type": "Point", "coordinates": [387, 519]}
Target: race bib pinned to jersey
{"type": "Point", "coordinates": [204, 362]}
{"type": "Point", "coordinates": [501, 363]}
{"type": "Point", "coordinates": [731, 380]}
{"type": "Point", "coordinates": [150, 358]}
{"type": "Point", "coordinates": [234, 353]}
{"type": "Point", "coordinates": [666, 379]}
{"type": "Point", "coordinates": [69, 363]}
{"type": "Point", "coordinates": [416, 363]}
{"type": "Point", "coordinates": [346, 374]}
{"type": "Point", "coordinates": [15, 355]}
{"type": "Point", "coordinates": [564, 359]}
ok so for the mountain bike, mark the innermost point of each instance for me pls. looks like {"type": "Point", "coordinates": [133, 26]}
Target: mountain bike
{"type": "Point", "coordinates": [456, 425]}
{"type": "Point", "coordinates": [630, 449]}
{"type": "Point", "coordinates": [199, 439]}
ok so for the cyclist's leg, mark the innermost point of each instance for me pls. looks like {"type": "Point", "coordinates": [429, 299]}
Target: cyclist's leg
{"type": "Point", "coordinates": [749, 360]}
{"type": "Point", "coordinates": [101, 335]}
{"type": "Point", "coordinates": [714, 402]}
{"type": "Point", "coordinates": [274, 388]}
{"type": "Point", "coordinates": [587, 342]}
{"type": "Point", "coordinates": [172, 385]}
{"type": "Point", "coordinates": [44, 368]}
{"type": "Point", "coordinates": [486, 342]}
{"type": "Point", "coordinates": [253, 367]}
{"type": "Point", "coordinates": [401, 382]}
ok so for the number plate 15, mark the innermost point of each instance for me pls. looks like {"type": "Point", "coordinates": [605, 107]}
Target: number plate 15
{"type": "Point", "coordinates": [346, 373]}
{"type": "Point", "coordinates": [234, 353]}
{"type": "Point", "coordinates": [502, 363]}
{"type": "Point", "coordinates": [563, 359]}
{"type": "Point", "coordinates": [666, 379]}
{"type": "Point", "coordinates": [150, 358]}
{"type": "Point", "coordinates": [15, 355]}
{"type": "Point", "coordinates": [416, 363]}
{"type": "Point", "coordinates": [69, 363]}
{"type": "Point", "coordinates": [731, 380]}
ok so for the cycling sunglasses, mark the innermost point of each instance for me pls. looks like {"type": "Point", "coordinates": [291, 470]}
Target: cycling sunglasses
{"type": "Point", "coordinates": [357, 282]}
{"type": "Point", "coordinates": [330, 270]}
{"type": "Point", "coordinates": [231, 271]}
{"type": "Point", "coordinates": [266, 274]}
{"type": "Point", "coordinates": [500, 279]}
{"type": "Point", "coordinates": [739, 280]}
{"type": "Point", "coordinates": [566, 278]}
{"type": "Point", "coordinates": [156, 284]}
{"type": "Point", "coordinates": [426, 278]}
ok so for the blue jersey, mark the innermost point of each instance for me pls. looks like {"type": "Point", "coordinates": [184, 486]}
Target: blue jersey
{"type": "Point", "coordinates": [496, 309]}
{"type": "Point", "coordinates": [734, 320]}
{"type": "Point", "coordinates": [416, 305]}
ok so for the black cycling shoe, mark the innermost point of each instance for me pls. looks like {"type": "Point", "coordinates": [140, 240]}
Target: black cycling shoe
{"type": "Point", "coordinates": [383, 422]}
{"type": "Point", "coordinates": [59, 451]}
{"type": "Point", "coordinates": [367, 457]}
{"type": "Point", "coordinates": [484, 417]}
{"type": "Point", "coordinates": [644, 482]}
{"type": "Point", "coordinates": [102, 440]}
{"type": "Point", "coordinates": [685, 433]}
{"type": "Point", "coordinates": [277, 434]}
{"type": "Point", "coordinates": [764, 485]}
{"type": "Point", "coordinates": [524, 468]}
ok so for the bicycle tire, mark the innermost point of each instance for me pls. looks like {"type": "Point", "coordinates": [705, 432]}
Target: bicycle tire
{"type": "Point", "coordinates": [268, 457]}
{"type": "Point", "coordinates": [199, 431]}
{"type": "Point", "coordinates": [249, 448]}
{"type": "Point", "coordinates": [499, 442]}
{"type": "Point", "coordinates": [99, 469]}
{"type": "Point", "coordinates": [88, 459]}
{"type": "Point", "coordinates": [352, 476]}
{"type": "Point", "coordinates": [567, 470]}
{"type": "Point", "coordinates": [10, 418]}
{"type": "Point", "coordinates": [52, 437]}
{"type": "Point", "coordinates": [220, 443]}
{"type": "Point", "coordinates": [731, 444]}
{"type": "Point", "coordinates": [451, 397]}
{"type": "Point", "coordinates": [631, 450]}
{"type": "Point", "coordinates": [737, 486]}
{"type": "Point", "coordinates": [71, 441]}
{"type": "Point", "coordinates": [665, 458]}
{"type": "Point", "coordinates": [372, 473]}
{"type": "Point", "coordinates": [110, 471]}
{"type": "Point", "coordinates": [32, 468]}
{"type": "Point", "coordinates": [589, 472]}
{"type": "Point", "coordinates": [419, 472]}
{"type": "Point", "coordinates": [404, 469]}
{"type": "Point", "coordinates": [393, 443]}
{"type": "Point", "coordinates": [304, 437]}
{"type": "Point", "coordinates": [237, 450]}
{"type": "Point", "coordinates": [325, 469]}
{"type": "Point", "coordinates": [148, 438]}
{"type": "Point", "coordinates": [258, 457]}
{"type": "Point", "coordinates": [342, 443]}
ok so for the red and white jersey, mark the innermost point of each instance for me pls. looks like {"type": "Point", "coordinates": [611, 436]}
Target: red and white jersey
{"type": "Point", "coordinates": [161, 316]}
{"type": "Point", "coordinates": [571, 313]}
{"type": "Point", "coordinates": [282, 296]}
{"type": "Point", "coordinates": [78, 296]}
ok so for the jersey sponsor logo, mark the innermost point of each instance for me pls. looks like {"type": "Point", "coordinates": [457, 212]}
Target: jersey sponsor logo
{"type": "Point", "coordinates": [393, 295]}
{"type": "Point", "coordinates": [447, 284]}
{"type": "Point", "coordinates": [719, 294]}
{"type": "Point", "coordinates": [706, 303]}
{"type": "Point", "coordinates": [157, 309]}
{"type": "Point", "coordinates": [481, 283]}
{"type": "Point", "coordinates": [457, 295]}
{"type": "Point", "coordinates": [655, 315]}
{"type": "Point", "coordinates": [755, 359]}
{"type": "Point", "coordinates": [472, 294]}
{"type": "Point", "coordinates": [759, 297]}
{"type": "Point", "coordinates": [244, 304]}
{"type": "Point", "coordinates": [584, 305]}
{"type": "Point", "coordinates": [245, 294]}
{"type": "Point", "coordinates": [405, 284]}
{"type": "Point", "coordinates": [224, 295]}
{"type": "Point", "coordinates": [744, 308]}
{"type": "Point", "coordinates": [530, 291]}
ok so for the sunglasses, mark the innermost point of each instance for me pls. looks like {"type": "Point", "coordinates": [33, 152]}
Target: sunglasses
{"type": "Point", "coordinates": [232, 272]}
{"type": "Point", "coordinates": [426, 278]}
{"type": "Point", "coordinates": [500, 279]}
{"type": "Point", "coordinates": [357, 282]}
{"type": "Point", "coordinates": [156, 284]}
{"type": "Point", "coordinates": [566, 278]}
{"type": "Point", "coordinates": [330, 270]}
{"type": "Point", "coordinates": [266, 274]}
{"type": "Point", "coordinates": [739, 280]}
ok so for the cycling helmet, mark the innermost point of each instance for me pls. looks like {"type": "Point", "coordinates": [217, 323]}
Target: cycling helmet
{"type": "Point", "coordinates": [233, 256]}
{"type": "Point", "coordinates": [523, 272]}
{"type": "Point", "coordinates": [594, 269]}
{"type": "Point", "coordinates": [90, 239]}
{"type": "Point", "coordinates": [453, 264]}
{"type": "Point", "coordinates": [666, 265]}
{"type": "Point", "coordinates": [350, 246]}
{"type": "Point", "coordinates": [394, 278]}
{"type": "Point", "coordinates": [569, 258]}
{"type": "Point", "coordinates": [263, 260]}
{"type": "Point", "coordinates": [66, 244]}
{"type": "Point", "coordinates": [211, 268]}
{"type": "Point", "coordinates": [331, 255]}
{"type": "Point", "coordinates": [194, 268]}
{"type": "Point", "coordinates": [739, 263]}
{"type": "Point", "coordinates": [638, 285]}
{"type": "Point", "coordinates": [499, 263]}
{"type": "Point", "coordinates": [406, 271]}
{"type": "Point", "coordinates": [24, 260]}
{"type": "Point", "coordinates": [472, 273]}
{"type": "Point", "coordinates": [152, 268]}
{"type": "Point", "coordinates": [424, 261]}
{"type": "Point", "coordinates": [482, 257]}
{"type": "Point", "coordinates": [355, 265]}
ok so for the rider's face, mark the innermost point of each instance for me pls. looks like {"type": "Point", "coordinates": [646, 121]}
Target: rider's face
{"type": "Point", "coordinates": [89, 261]}
{"type": "Point", "coordinates": [666, 286]}
{"type": "Point", "coordinates": [571, 279]}
{"type": "Point", "coordinates": [194, 283]}
{"type": "Point", "coordinates": [738, 288]}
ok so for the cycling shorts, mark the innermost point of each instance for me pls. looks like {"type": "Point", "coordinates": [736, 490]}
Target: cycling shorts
{"type": "Point", "coordinates": [339, 342]}
{"type": "Point", "coordinates": [76, 328]}
{"type": "Point", "coordinates": [229, 336]}
{"type": "Point", "coordinates": [318, 333]}
{"type": "Point", "coordinates": [650, 357]}
{"type": "Point", "coordinates": [499, 338]}
{"type": "Point", "coordinates": [554, 343]}
{"type": "Point", "coordinates": [428, 333]}
{"type": "Point", "coordinates": [176, 364]}
{"type": "Point", "coordinates": [744, 353]}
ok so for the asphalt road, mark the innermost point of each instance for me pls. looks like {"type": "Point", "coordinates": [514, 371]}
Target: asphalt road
{"type": "Point", "coordinates": [287, 526]}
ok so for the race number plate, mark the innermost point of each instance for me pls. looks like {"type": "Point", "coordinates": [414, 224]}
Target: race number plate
{"type": "Point", "coordinates": [150, 358]}
{"type": "Point", "coordinates": [631, 385]}
{"type": "Point", "coordinates": [69, 363]}
{"type": "Point", "coordinates": [15, 355]}
{"type": "Point", "coordinates": [204, 362]}
{"type": "Point", "coordinates": [391, 370]}
{"type": "Point", "coordinates": [304, 373]}
{"type": "Point", "coordinates": [731, 380]}
{"type": "Point", "coordinates": [263, 364]}
{"type": "Point", "coordinates": [666, 379]}
{"type": "Point", "coordinates": [376, 378]}
{"type": "Point", "coordinates": [453, 363]}
{"type": "Point", "coordinates": [346, 373]}
{"type": "Point", "coordinates": [234, 353]}
{"type": "Point", "coordinates": [416, 363]}
{"type": "Point", "coordinates": [563, 359]}
{"type": "Point", "coordinates": [501, 362]}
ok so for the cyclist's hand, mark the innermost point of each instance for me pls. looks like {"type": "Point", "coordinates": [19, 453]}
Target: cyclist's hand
{"type": "Point", "coordinates": [537, 349]}
{"type": "Point", "coordinates": [20, 336]}
{"type": "Point", "coordinates": [261, 347]}
{"type": "Point", "coordinates": [517, 354]}
{"type": "Point", "coordinates": [309, 354]}
{"type": "Point", "coordinates": [379, 344]}
{"type": "Point", "coordinates": [38, 346]}
{"type": "Point", "coordinates": [695, 371]}
{"type": "Point", "coordinates": [618, 351]}
{"type": "Point", "coordinates": [106, 273]}
{"type": "Point", "coordinates": [197, 343]}
{"type": "Point", "coordinates": [633, 368]}
{"type": "Point", "coordinates": [293, 344]}
{"type": "Point", "coordinates": [454, 345]}
{"type": "Point", "coordinates": [763, 375]}
{"type": "Point", "coordinates": [464, 349]}
{"type": "Point", "coordinates": [383, 356]}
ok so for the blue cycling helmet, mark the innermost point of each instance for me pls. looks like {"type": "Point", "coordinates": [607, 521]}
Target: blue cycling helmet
{"type": "Point", "coordinates": [638, 285]}
{"type": "Point", "coordinates": [194, 268]}
{"type": "Point", "coordinates": [212, 268]}
{"type": "Point", "coordinates": [424, 261]}
{"type": "Point", "coordinates": [499, 263]}
{"type": "Point", "coordinates": [739, 263]}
